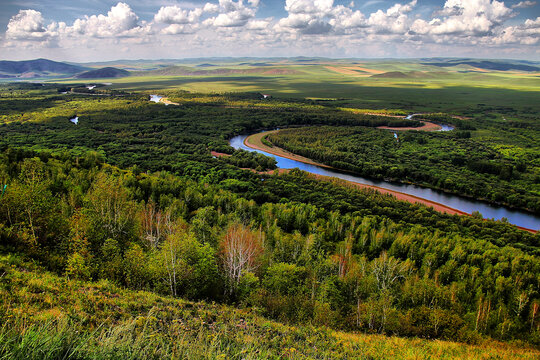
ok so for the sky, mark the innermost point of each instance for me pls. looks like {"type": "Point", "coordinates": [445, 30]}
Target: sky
{"type": "Point", "coordinates": [101, 30]}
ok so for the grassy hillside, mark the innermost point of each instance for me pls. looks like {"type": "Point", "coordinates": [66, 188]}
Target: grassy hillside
{"type": "Point", "coordinates": [103, 73]}
{"type": "Point", "coordinates": [49, 317]}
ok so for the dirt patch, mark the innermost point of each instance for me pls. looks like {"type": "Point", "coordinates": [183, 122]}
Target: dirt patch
{"type": "Point", "coordinates": [343, 71]}
{"type": "Point", "coordinates": [218, 154]}
{"type": "Point", "coordinates": [480, 70]}
{"type": "Point", "coordinates": [371, 71]}
{"type": "Point", "coordinates": [398, 195]}
{"type": "Point", "coordinates": [255, 142]}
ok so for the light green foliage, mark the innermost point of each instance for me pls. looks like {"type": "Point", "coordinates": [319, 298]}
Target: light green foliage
{"type": "Point", "coordinates": [285, 279]}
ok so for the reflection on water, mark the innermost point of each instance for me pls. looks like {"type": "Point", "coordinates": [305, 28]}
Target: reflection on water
{"type": "Point", "coordinates": [155, 98]}
{"type": "Point", "coordinates": [516, 217]}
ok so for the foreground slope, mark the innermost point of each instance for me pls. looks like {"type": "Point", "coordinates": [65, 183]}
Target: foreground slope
{"type": "Point", "coordinates": [50, 317]}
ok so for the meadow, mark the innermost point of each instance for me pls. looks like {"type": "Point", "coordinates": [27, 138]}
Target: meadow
{"type": "Point", "coordinates": [410, 86]}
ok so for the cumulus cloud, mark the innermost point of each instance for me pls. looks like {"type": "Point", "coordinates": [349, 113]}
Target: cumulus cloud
{"type": "Point", "coordinates": [394, 21]}
{"type": "Point", "coordinates": [320, 26]}
{"type": "Point", "coordinates": [466, 18]}
{"type": "Point", "coordinates": [308, 17]}
{"type": "Point", "coordinates": [175, 29]}
{"type": "Point", "coordinates": [29, 25]}
{"type": "Point", "coordinates": [119, 21]}
{"type": "Point", "coordinates": [258, 24]}
{"type": "Point", "coordinates": [309, 6]}
{"type": "Point", "coordinates": [232, 14]}
{"type": "Point", "coordinates": [176, 15]}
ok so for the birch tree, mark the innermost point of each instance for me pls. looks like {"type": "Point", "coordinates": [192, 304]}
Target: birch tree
{"type": "Point", "coordinates": [240, 250]}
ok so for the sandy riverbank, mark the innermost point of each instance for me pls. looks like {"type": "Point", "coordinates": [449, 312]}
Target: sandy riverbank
{"type": "Point", "coordinates": [428, 126]}
{"type": "Point", "coordinates": [166, 101]}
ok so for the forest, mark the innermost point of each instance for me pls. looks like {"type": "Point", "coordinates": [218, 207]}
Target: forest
{"type": "Point", "coordinates": [132, 198]}
{"type": "Point", "coordinates": [297, 261]}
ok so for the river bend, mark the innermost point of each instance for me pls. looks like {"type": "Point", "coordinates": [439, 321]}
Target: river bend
{"type": "Point", "coordinates": [488, 211]}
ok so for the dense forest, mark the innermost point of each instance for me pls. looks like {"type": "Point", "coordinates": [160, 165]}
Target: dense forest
{"type": "Point", "coordinates": [297, 261]}
{"type": "Point", "coordinates": [133, 197]}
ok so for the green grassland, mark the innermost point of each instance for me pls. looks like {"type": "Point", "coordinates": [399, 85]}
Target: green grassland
{"type": "Point", "coordinates": [418, 88]}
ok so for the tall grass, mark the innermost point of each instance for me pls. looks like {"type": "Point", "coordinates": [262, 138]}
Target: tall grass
{"type": "Point", "coordinates": [44, 316]}
{"type": "Point", "coordinates": [141, 339]}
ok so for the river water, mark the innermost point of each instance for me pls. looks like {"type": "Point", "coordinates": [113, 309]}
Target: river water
{"type": "Point", "coordinates": [155, 98]}
{"type": "Point", "coordinates": [516, 217]}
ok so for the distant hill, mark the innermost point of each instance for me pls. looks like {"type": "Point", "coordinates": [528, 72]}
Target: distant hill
{"type": "Point", "coordinates": [410, 75]}
{"type": "Point", "coordinates": [391, 74]}
{"type": "Point", "coordinates": [106, 72]}
{"type": "Point", "coordinates": [38, 67]}
{"type": "Point", "coordinates": [188, 71]}
{"type": "Point", "coordinates": [487, 65]}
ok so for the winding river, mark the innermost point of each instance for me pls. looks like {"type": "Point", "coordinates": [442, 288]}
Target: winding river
{"type": "Point", "coordinates": [516, 217]}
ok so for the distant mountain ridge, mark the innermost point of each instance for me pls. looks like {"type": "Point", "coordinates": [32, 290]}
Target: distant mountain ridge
{"type": "Point", "coordinates": [39, 67]}
{"type": "Point", "coordinates": [189, 71]}
{"type": "Point", "coordinates": [485, 64]}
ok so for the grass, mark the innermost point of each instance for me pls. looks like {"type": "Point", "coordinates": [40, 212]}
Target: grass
{"type": "Point", "coordinates": [431, 89]}
{"type": "Point", "coordinates": [45, 316]}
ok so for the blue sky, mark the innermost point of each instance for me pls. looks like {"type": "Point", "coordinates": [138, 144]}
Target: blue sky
{"type": "Point", "coordinates": [92, 30]}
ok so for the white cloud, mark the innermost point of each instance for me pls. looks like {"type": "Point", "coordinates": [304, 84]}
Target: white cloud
{"type": "Point", "coordinates": [310, 17]}
{"type": "Point", "coordinates": [394, 21]}
{"type": "Point", "coordinates": [119, 21]}
{"type": "Point", "coordinates": [210, 8]}
{"type": "Point", "coordinates": [524, 4]}
{"type": "Point", "coordinates": [532, 24]}
{"type": "Point", "coordinates": [175, 29]}
{"type": "Point", "coordinates": [232, 14]}
{"type": "Point", "coordinates": [467, 18]}
{"type": "Point", "coordinates": [311, 27]}
{"type": "Point", "coordinates": [309, 6]}
{"type": "Point", "coordinates": [176, 15]}
{"type": "Point", "coordinates": [29, 25]}
{"type": "Point", "coordinates": [259, 24]}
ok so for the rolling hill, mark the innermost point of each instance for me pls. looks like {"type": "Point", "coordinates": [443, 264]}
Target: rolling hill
{"type": "Point", "coordinates": [106, 72]}
{"type": "Point", "coordinates": [486, 65]}
{"type": "Point", "coordinates": [188, 71]}
{"type": "Point", "coordinates": [38, 67]}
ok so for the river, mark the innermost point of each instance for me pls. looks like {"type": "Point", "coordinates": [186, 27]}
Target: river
{"type": "Point", "coordinates": [516, 217]}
